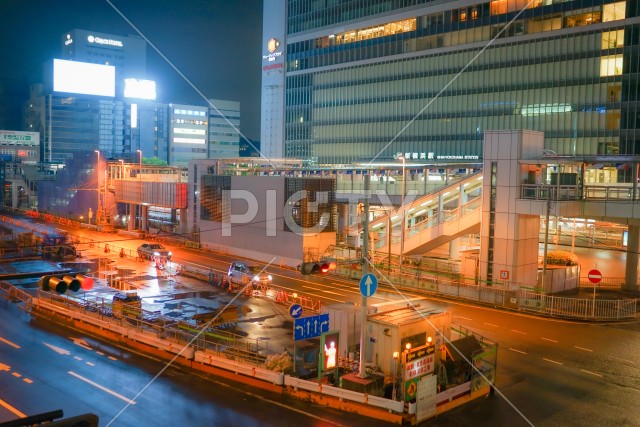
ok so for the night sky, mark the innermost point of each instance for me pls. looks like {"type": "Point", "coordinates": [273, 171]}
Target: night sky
{"type": "Point", "coordinates": [214, 43]}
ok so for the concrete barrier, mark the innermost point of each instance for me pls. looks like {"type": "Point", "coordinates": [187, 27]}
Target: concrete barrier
{"type": "Point", "coordinates": [316, 387]}
{"type": "Point", "coordinates": [239, 368]}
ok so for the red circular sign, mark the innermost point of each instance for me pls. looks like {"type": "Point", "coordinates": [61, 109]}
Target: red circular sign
{"type": "Point", "coordinates": [594, 276]}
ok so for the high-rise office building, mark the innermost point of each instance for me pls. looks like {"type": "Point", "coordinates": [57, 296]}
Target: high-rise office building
{"type": "Point", "coordinates": [188, 133]}
{"type": "Point", "coordinates": [347, 81]}
{"type": "Point", "coordinates": [127, 54]}
{"type": "Point", "coordinates": [224, 124]}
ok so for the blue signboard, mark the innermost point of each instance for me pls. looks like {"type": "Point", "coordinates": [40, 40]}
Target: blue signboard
{"type": "Point", "coordinates": [295, 310]}
{"type": "Point", "coordinates": [368, 285]}
{"type": "Point", "coordinates": [310, 327]}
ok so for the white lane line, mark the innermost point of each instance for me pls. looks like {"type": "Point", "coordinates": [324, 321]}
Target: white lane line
{"type": "Point", "coordinates": [549, 339]}
{"type": "Point", "coordinates": [321, 296]}
{"type": "Point", "coordinates": [518, 332]}
{"type": "Point", "coordinates": [111, 392]}
{"type": "Point", "coordinates": [465, 318]}
{"type": "Point", "coordinates": [111, 357]}
{"type": "Point", "coordinates": [27, 380]}
{"type": "Point", "coordinates": [90, 364]}
{"type": "Point", "coordinates": [329, 292]}
{"type": "Point", "coordinates": [551, 361]}
{"type": "Point", "coordinates": [14, 345]}
{"type": "Point", "coordinates": [77, 357]}
{"type": "Point", "coordinates": [517, 351]}
{"type": "Point", "coordinates": [99, 353]}
{"type": "Point", "coordinates": [582, 348]}
{"type": "Point", "coordinates": [491, 324]}
{"type": "Point", "coordinates": [591, 373]}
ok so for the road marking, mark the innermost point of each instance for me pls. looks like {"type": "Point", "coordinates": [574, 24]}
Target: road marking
{"type": "Point", "coordinates": [14, 345]}
{"type": "Point", "coordinates": [582, 348]}
{"type": "Point", "coordinates": [81, 343]}
{"type": "Point", "coordinates": [518, 332]}
{"type": "Point", "coordinates": [624, 360]}
{"type": "Point", "coordinates": [552, 361]}
{"type": "Point", "coordinates": [15, 374]}
{"type": "Point", "coordinates": [11, 409]}
{"type": "Point", "coordinates": [550, 340]}
{"type": "Point", "coordinates": [77, 357]}
{"type": "Point", "coordinates": [111, 357]}
{"type": "Point", "coordinates": [517, 351]}
{"type": "Point", "coordinates": [99, 353]}
{"type": "Point", "coordinates": [329, 292]}
{"type": "Point", "coordinates": [58, 349]}
{"type": "Point", "coordinates": [111, 392]}
{"type": "Point", "coordinates": [491, 324]}
{"type": "Point", "coordinates": [90, 364]}
{"type": "Point", "coordinates": [465, 318]}
{"type": "Point", "coordinates": [591, 373]}
{"type": "Point", "coordinates": [27, 380]}
{"type": "Point", "coordinates": [4, 367]}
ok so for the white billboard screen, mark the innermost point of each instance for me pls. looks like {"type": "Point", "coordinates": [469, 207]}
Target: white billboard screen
{"type": "Point", "coordinates": [84, 78]}
{"type": "Point", "coordinates": [141, 89]}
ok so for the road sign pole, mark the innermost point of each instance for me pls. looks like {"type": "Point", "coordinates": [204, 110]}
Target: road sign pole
{"type": "Point", "coordinates": [365, 270]}
{"type": "Point", "coordinates": [594, 276]}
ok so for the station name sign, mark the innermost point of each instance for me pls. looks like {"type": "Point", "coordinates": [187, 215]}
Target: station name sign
{"type": "Point", "coordinates": [434, 156]}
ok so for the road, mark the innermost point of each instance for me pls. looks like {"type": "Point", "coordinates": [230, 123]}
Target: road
{"type": "Point", "coordinates": [550, 372]}
{"type": "Point", "coordinates": [44, 367]}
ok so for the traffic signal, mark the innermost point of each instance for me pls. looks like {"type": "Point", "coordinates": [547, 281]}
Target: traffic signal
{"type": "Point", "coordinates": [314, 268]}
{"type": "Point", "coordinates": [62, 282]}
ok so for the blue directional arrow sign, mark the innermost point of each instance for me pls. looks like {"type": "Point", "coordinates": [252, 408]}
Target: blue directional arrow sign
{"type": "Point", "coordinates": [310, 327]}
{"type": "Point", "coordinates": [295, 310]}
{"type": "Point", "coordinates": [368, 285]}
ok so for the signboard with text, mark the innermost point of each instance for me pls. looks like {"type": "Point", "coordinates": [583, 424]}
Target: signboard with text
{"type": "Point", "coordinates": [419, 362]}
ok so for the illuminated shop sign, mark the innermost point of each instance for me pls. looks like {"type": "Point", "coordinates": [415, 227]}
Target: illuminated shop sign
{"type": "Point", "coordinates": [272, 46]}
{"type": "Point", "coordinates": [100, 40]}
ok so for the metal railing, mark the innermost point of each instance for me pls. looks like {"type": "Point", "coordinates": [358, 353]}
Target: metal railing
{"type": "Point", "coordinates": [582, 308]}
{"type": "Point", "coordinates": [577, 192]}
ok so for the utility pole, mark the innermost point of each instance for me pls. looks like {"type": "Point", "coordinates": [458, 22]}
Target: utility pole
{"type": "Point", "coordinates": [365, 270]}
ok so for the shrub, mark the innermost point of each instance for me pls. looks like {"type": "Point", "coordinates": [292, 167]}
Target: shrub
{"type": "Point", "coordinates": [561, 258]}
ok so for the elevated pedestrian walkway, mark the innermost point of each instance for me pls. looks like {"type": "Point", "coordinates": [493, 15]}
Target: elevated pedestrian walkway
{"type": "Point", "coordinates": [429, 221]}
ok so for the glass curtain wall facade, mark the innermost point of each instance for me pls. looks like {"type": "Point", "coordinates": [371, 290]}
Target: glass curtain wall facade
{"type": "Point", "coordinates": [224, 126]}
{"type": "Point", "coordinates": [368, 79]}
{"type": "Point", "coordinates": [71, 125]}
{"type": "Point", "coordinates": [78, 124]}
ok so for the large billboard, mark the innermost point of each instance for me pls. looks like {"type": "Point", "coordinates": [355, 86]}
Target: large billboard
{"type": "Point", "coordinates": [140, 89]}
{"type": "Point", "coordinates": [84, 78]}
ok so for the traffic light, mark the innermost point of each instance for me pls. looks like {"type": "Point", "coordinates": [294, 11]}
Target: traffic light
{"type": "Point", "coordinates": [314, 268]}
{"type": "Point", "coordinates": [62, 282]}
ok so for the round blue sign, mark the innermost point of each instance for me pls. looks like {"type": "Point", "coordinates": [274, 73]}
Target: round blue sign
{"type": "Point", "coordinates": [295, 310]}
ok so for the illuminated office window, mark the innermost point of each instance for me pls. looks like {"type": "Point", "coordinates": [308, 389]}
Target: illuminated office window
{"type": "Point", "coordinates": [611, 65]}
{"type": "Point", "coordinates": [614, 11]}
{"type": "Point", "coordinates": [612, 39]}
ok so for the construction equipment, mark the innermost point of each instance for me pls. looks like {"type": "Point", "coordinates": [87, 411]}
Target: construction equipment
{"type": "Point", "coordinates": [222, 317]}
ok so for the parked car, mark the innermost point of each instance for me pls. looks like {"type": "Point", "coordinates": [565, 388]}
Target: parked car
{"type": "Point", "coordinates": [241, 273]}
{"type": "Point", "coordinates": [151, 250]}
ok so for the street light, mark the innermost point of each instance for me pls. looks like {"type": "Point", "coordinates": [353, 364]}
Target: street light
{"type": "Point", "coordinates": [97, 187]}
{"type": "Point", "coordinates": [140, 189]}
